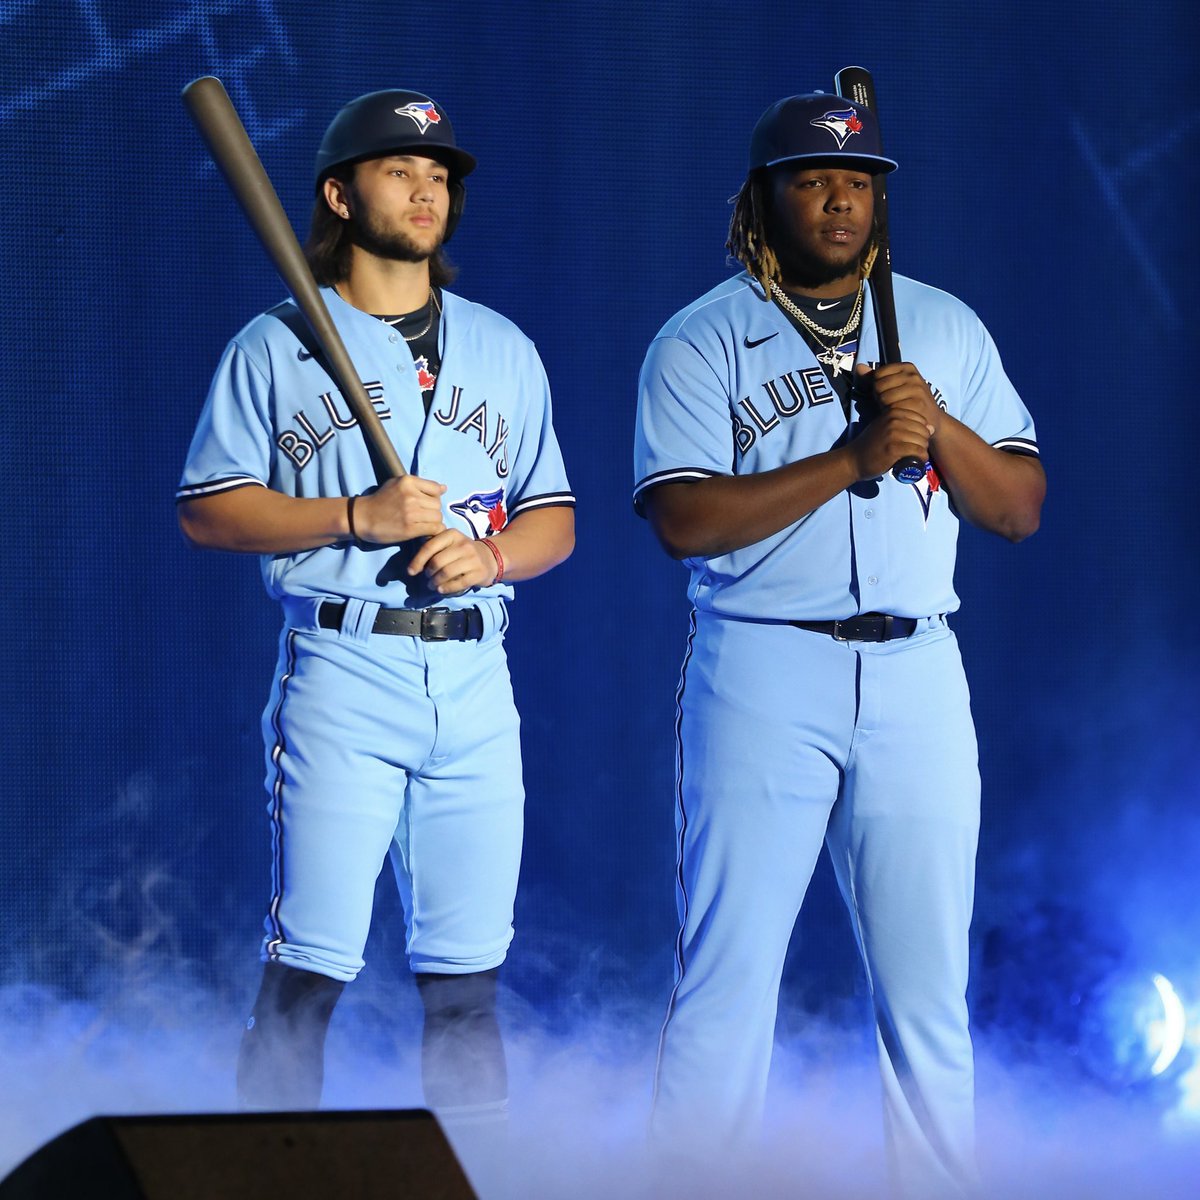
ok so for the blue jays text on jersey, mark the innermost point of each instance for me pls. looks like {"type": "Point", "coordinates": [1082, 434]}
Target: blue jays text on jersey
{"type": "Point", "coordinates": [722, 393]}
{"type": "Point", "coordinates": [273, 419]}
{"type": "Point", "coordinates": [301, 446]}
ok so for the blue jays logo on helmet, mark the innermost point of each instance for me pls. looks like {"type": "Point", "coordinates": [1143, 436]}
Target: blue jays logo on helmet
{"type": "Point", "coordinates": [842, 123]}
{"type": "Point", "coordinates": [422, 114]}
{"type": "Point", "coordinates": [483, 511]}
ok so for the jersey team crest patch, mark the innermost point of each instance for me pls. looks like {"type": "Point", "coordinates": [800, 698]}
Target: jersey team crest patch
{"type": "Point", "coordinates": [426, 379]}
{"type": "Point", "coordinates": [422, 114]}
{"type": "Point", "coordinates": [842, 123]}
{"type": "Point", "coordinates": [483, 511]}
{"type": "Point", "coordinates": [927, 488]}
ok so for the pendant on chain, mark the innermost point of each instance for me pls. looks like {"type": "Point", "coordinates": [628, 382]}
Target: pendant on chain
{"type": "Point", "coordinates": [837, 359]}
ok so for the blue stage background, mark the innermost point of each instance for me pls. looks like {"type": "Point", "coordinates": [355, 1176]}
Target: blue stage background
{"type": "Point", "coordinates": [1048, 177]}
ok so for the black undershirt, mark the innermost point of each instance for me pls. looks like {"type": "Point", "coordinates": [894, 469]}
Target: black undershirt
{"type": "Point", "coordinates": [427, 361]}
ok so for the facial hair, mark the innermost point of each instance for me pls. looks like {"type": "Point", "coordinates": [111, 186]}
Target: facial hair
{"type": "Point", "coordinates": [797, 266]}
{"type": "Point", "coordinates": [377, 239]}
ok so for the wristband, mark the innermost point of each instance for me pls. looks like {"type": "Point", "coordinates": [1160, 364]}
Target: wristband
{"type": "Point", "coordinates": [350, 517]}
{"type": "Point", "coordinates": [497, 556]}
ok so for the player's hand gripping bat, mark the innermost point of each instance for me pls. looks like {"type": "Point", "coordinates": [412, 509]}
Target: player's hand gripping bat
{"type": "Point", "coordinates": [855, 83]}
{"type": "Point", "coordinates": [217, 119]}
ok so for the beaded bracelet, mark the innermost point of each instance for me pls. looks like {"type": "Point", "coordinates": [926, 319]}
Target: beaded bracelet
{"type": "Point", "coordinates": [497, 556]}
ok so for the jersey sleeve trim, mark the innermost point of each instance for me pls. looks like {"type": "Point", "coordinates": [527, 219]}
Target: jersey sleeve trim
{"type": "Point", "coordinates": [194, 491]}
{"type": "Point", "coordinates": [1016, 445]}
{"type": "Point", "coordinates": [671, 475]}
{"type": "Point", "coordinates": [549, 500]}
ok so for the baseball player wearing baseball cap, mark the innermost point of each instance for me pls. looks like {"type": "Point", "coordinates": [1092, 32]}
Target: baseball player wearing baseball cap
{"type": "Point", "coordinates": [822, 696]}
{"type": "Point", "coordinates": [390, 730]}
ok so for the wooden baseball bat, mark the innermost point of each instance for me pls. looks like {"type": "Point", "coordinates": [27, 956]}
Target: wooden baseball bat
{"type": "Point", "coordinates": [855, 83]}
{"type": "Point", "coordinates": [222, 129]}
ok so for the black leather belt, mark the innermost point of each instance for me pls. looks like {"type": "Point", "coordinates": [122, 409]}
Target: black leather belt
{"type": "Point", "coordinates": [428, 624]}
{"type": "Point", "coordinates": [868, 627]}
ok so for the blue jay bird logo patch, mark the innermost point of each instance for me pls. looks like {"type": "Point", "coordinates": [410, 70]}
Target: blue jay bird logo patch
{"type": "Point", "coordinates": [483, 511]}
{"type": "Point", "coordinates": [842, 123]}
{"type": "Point", "coordinates": [422, 114]}
{"type": "Point", "coordinates": [927, 488]}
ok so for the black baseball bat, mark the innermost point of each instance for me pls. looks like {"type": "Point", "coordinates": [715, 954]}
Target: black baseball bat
{"type": "Point", "coordinates": [855, 83]}
{"type": "Point", "coordinates": [222, 129]}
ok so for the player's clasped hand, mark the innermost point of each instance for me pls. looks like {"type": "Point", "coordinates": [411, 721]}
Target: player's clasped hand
{"type": "Point", "coordinates": [454, 563]}
{"type": "Point", "coordinates": [901, 385]}
{"type": "Point", "coordinates": [400, 510]}
{"type": "Point", "coordinates": [901, 417]}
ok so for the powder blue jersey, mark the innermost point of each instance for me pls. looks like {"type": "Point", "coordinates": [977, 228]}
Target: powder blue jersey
{"type": "Point", "coordinates": [274, 419]}
{"type": "Point", "coordinates": [729, 387]}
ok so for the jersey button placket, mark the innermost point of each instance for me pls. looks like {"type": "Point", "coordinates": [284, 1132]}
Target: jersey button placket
{"type": "Point", "coordinates": [869, 545]}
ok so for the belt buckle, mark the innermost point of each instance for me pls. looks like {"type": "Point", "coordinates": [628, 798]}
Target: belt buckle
{"type": "Point", "coordinates": [837, 632]}
{"type": "Point", "coordinates": [435, 625]}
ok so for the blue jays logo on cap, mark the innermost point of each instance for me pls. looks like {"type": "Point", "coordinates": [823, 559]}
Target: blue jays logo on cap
{"type": "Point", "coordinates": [843, 123]}
{"type": "Point", "coordinates": [818, 126]}
{"type": "Point", "coordinates": [483, 511]}
{"type": "Point", "coordinates": [421, 114]}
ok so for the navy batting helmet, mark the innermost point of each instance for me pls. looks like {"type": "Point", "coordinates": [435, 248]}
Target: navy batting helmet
{"type": "Point", "coordinates": [818, 126]}
{"type": "Point", "coordinates": [395, 122]}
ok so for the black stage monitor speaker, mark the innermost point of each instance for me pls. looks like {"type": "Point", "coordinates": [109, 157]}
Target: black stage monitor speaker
{"type": "Point", "coordinates": [246, 1156]}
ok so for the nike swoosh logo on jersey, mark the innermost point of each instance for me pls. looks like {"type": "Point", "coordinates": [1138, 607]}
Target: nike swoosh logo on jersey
{"type": "Point", "coordinates": [749, 344]}
{"type": "Point", "coordinates": [832, 304]}
{"type": "Point", "coordinates": [303, 355]}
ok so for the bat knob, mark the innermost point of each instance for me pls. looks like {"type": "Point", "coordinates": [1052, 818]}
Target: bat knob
{"type": "Point", "coordinates": [910, 470]}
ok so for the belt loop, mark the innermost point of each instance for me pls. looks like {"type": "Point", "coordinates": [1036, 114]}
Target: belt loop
{"type": "Point", "coordinates": [887, 627]}
{"type": "Point", "coordinates": [493, 614]}
{"type": "Point", "coordinates": [359, 619]}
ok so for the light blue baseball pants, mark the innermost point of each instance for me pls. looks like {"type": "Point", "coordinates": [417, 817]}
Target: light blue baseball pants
{"type": "Point", "coordinates": [787, 739]}
{"type": "Point", "coordinates": [381, 745]}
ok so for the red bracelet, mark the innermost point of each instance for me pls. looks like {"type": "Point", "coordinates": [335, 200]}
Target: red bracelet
{"type": "Point", "coordinates": [497, 556]}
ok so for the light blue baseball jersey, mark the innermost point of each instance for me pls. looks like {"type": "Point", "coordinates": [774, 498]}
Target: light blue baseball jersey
{"type": "Point", "coordinates": [729, 387]}
{"type": "Point", "coordinates": [273, 419]}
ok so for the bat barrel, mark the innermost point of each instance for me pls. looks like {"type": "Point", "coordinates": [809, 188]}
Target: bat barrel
{"type": "Point", "coordinates": [227, 141]}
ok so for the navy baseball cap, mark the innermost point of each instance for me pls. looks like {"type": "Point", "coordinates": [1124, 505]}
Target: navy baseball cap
{"type": "Point", "coordinates": [391, 122]}
{"type": "Point", "coordinates": [818, 126]}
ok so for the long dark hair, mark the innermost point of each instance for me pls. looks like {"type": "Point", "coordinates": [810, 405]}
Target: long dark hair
{"type": "Point", "coordinates": [331, 237]}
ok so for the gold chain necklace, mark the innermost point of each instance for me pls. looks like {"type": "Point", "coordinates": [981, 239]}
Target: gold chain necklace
{"type": "Point", "coordinates": [434, 308]}
{"type": "Point", "coordinates": [830, 339]}
{"type": "Point", "coordinates": [789, 305]}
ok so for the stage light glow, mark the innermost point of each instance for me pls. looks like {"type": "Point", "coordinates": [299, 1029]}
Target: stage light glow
{"type": "Point", "coordinates": [1133, 1030]}
{"type": "Point", "coordinates": [1166, 1036]}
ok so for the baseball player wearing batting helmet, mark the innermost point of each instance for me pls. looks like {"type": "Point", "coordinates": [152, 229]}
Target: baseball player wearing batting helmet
{"type": "Point", "coordinates": [822, 696]}
{"type": "Point", "coordinates": [390, 728]}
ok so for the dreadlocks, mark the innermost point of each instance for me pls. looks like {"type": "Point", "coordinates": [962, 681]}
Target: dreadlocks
{"type": "Point", "coordinates": [747, 241]}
